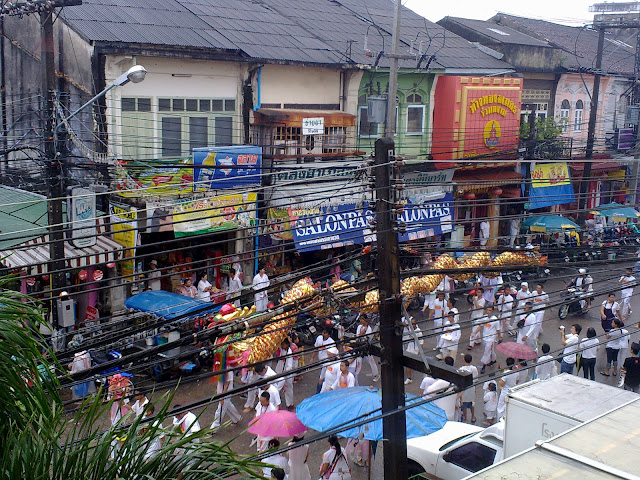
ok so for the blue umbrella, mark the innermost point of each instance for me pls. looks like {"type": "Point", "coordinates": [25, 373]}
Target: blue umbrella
{"type": "Point", "coordinates": [327, 410]}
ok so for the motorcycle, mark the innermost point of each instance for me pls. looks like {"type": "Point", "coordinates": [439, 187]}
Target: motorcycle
{"type": "Point", "coordinates": [574, 303]}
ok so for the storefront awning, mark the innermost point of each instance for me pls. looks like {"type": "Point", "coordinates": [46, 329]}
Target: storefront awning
{"type": "Point", "coordinates": [480, 181]}
{"type": "Point", "coordinates": [35, 254]}
{"type": "Point", "coordinates": [578, 167]}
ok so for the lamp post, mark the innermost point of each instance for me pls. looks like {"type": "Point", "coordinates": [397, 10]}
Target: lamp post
{"type": "Point", "coordinates": [135, 74]}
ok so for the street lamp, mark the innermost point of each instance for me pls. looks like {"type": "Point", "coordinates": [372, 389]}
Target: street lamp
{"type": "Point", "coordinates": [135, 74]}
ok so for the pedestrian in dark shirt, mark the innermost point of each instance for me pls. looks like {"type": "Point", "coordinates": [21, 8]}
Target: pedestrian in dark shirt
{"type": "Point", "coordinates": [631, 370]}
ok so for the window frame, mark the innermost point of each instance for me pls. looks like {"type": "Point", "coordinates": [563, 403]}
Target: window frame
{"type": "Point", "coordinates": [578, 112]}
{"type": "Point", "coordinates": [376, 125]}
{"type": "Point", "coordinates": [414, 133]}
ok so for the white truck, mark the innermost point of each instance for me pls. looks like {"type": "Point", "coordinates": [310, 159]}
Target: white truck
{"type": "Point", "coordinates": [536, 410]}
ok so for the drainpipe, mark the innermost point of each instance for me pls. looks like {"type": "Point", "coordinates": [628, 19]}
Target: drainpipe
{"type": "Point", "coordinates": [259, 87]}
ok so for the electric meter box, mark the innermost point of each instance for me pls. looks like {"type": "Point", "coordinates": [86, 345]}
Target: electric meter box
{"type": "Point", "coordinates": [376, 109]}
{"type": "Point", "coordinates": [66, 313]}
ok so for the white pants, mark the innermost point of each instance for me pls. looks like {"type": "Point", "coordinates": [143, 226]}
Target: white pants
{"type": "Point", "coordinates": [449, 351]}
{"type": "Point", "coordinates": [287, 388]}
{"type": "Point", "coordinates": [252, 393]}
{"type": "Point", "coordinates": [261, 301]}
{"type": "Point", "coordinates": [437, 324]}
{"type": "Point", "coordinates": [540, 318]}
{"type": "Point", "coordinates": [502, 402]}
{"type": "Point", "coordinates": [474, 338]}
{"type": "Point", "coordinates": [533, 343]}
{"type": "Point", "coordinates": [489, 355]}
{"type": "Point", "coordinates": [225, 407]}
{"type": "Point", "coordinates": [372, 364]}
{"type": "Point", "coordinates": [625, 308]}
{"type": "Point", "coordinates": [506, 323]}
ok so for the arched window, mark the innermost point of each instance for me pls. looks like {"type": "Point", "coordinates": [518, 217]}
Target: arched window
{"type": "Point", "coordinates": [415, 115]}
{"type": "Point", "coordinates": [577, 116]}
{"type": "Point", "coordinates": [414, 98]}
{"type": "Point", "coordinates": [564, 115]}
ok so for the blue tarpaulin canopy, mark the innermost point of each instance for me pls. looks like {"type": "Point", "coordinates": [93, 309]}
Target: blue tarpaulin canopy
{"type": "Point", "coordinates": [169, 305]}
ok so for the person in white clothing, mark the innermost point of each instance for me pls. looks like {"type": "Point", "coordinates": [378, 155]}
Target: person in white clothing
{"type": "Point", "coordinates": [440, 387]}
{"type": "Point", "coordinates": [204, 288]}
{"type": "Point", "coordinates": [490, 332]}
{"type": "Point", "coordinates": [506, 383]}
{"type": "Point", "coordinates": [260, 371]}
{"type": "Point", "coordinates": [545, 363]}
{"type": "Point", "coordinates": [410, 344]}
{"type": "Point", "coordinates": [277, 460]}
{"type": "Point", "coordinates": [322, 344]}
{"type": "Point", "coordinates": [617, 339]}
{"type": "Point", "coordinates": [585, 284]}
{"type": "Point", "coordinates": [285, 364]}
{"type": "Point", "coordinates": [331, 371]}
{"type": "Point", "coordinates": [504, 305]}
{"type": "Point", "coordinates": [261, 282]}
{"type": "Point", "coordinates": [274, 394]}
{"type": "Point", "coordinates": [540, 301]}
{"type": "Point", "coordinates": [264, 405]}
{"type": "Point", "coordinates": [484, 232]}
{"type": "Point", "coordinates": [364, 330]}
{"type": "Point", "coordinates": [298, 458]}
{"type": "Point", "coordinates": [225, 406]}
{"type": "Point", "coordinates": [570, 343]}
{"type": "Point", "coordinates": [427, 381]}
{"type": "Point", "coordinates": [522, 297]}
{"type": "Point", "coordinates": [490, 398]}
{"type": "Point", "coordinates": [531, 328]}
{"type": "Point", "coordinates": [476, 318]}
{"type": "Point", "coordinates": [235, 287]}
{"type": "Point", "coordinates": [187, 422]}
{"type": "Point", "coordinates": [334, 462]}
{"type": "Point", "coordinates": [589, 346]}
{"type": "Point", "coordinates": [450, 338]}
{"type": "Point", "coordinates": [437, 310]}
{"type": "Point", "coordinates": [156, 441]}
{"type": "Point", "coordinates": [468, 396]}
{"type": "Point", "coordinates": [628, 281]}
{"type": "Point", "coordinates": [514, 231]}
{"type": "Point", "coordinates": [345, 379]}
{"type": "Point", "coordinates": [154, 275]}
{"type": "Point", "coordinates": [141, 401]}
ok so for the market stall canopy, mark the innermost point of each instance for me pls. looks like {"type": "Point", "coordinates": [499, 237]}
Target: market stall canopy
{"type": "Point", "coordinates": [616, 212]}
{"type": "Point", "coordinates": [34, 254]}
{"type": "Point", "coordinates": [169, 305]}
{"type": "Point", "coordinates": [549, 224]}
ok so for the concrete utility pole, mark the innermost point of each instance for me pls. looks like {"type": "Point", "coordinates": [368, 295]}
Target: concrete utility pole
{"type": "Point", "coordinates": [593, 115]}
{"type": "Point", "coordinates": [394, 427]}
{"type": "Point", "coordinates": [54, 168]}
{"type": "Point", "coordinates": [390, 123]}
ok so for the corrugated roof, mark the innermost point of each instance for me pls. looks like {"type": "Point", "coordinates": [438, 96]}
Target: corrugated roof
{"type": "Point", "coordinates": [23, 216]}
{"type": "Point", "coordinates": [313, 31]}
{"type": "Point", "coordinates": [497, 33]}
{"type": "Point", "coordinates": [580, 43]}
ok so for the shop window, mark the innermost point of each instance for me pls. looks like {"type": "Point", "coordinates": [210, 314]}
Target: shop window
{"type": "Point", "coordinates": [192, 105]}
{"type": "Point", "coordinates": [171, 136]}
{"type": "Point", "coordinates": [577, 116]}
{"type": "Point", "coordinates": [415, 119]}
{"type": "Point", "coordinates": [132, 104]}
{"type": "Point", "coordinates": [144, 104]}
{"type": "Point", "coordinates": [164, 104]}
{"type": "Point", "coordinates": [128, 104]}
{"type": "Point", "coordinates": [365, 127]}
{"type": "Point", "coordinates": [216, 105]}
{"type": "Point", "coordinates": [230, 105]}
{"type": "Point", "coordinates": [564, 115]}
{"type": "Point", "coordinates": [205, 105]}
{"type": "Point", "coordinates": [198, 132]}
{"type": "Point", "coordinates": [178, 104]}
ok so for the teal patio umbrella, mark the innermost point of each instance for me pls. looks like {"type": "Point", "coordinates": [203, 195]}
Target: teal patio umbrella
{"type": "Point", "coordinates": [549, 224]}
{"type": "Point", "coordinates": [616, 212]}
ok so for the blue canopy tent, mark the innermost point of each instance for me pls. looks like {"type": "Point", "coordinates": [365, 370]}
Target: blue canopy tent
{"type": "Point", "coordinates": [169, 305]}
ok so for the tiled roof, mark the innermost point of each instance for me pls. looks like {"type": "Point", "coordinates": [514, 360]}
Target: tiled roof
{"type": "Point", "coordinates": [580, 43]}
{"type": "Point", "coordinates": [312, 31]}
{"type": "Point", "coordinates": [497, 33]}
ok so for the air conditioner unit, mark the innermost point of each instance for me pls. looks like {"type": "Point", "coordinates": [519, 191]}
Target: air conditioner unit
{"type": "Point", "coordinates": [311, 144]}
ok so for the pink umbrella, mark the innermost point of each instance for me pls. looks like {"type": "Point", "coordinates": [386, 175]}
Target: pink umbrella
{"type": "Point", "coordinates": [519, 351]}
{"type": "Point", "coordinates": [279, 423]}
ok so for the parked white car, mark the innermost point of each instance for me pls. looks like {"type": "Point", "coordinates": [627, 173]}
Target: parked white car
{"type": "Point", "coordinates": [455, 451]}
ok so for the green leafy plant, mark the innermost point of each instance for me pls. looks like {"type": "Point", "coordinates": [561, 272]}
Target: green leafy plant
{"type": "Point", "coordinates": [40, 441]}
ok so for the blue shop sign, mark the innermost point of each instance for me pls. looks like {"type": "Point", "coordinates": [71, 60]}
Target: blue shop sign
{"type": "Point", "coordinates": [427, 219]}
{"type": "Point", "coordinates": [330, 227]}
{"type": "Point", "coordinates": [226, 167]}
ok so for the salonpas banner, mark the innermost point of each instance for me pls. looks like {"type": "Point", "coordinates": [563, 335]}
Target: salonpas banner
{"type": "Point", "coordinates": [207, 215]}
